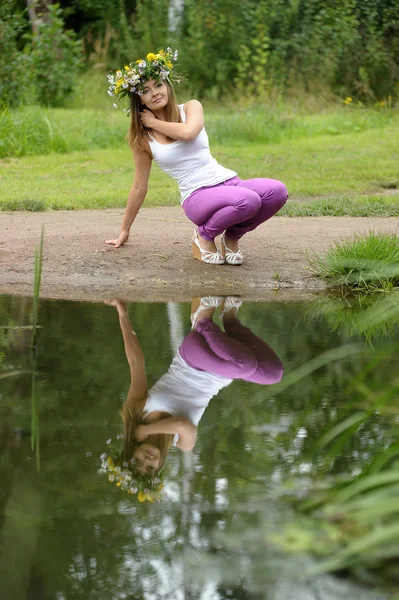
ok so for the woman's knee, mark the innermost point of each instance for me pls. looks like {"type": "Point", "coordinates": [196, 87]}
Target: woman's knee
{"type": "Point", "coordinates": [249, 203]}
{"type": "Point", "coordinates": [275, 373]}
{"type": "Point", "coordinates": [244, 366]}
{"type": "Point", "coordinates": [280, 193]}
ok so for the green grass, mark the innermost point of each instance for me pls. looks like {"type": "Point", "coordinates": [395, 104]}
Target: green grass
{"type": "Point", "coordinates": [368, 263]}
{"type": "Point", "coordinates": [373, 205]}
{"type": "Point", "coordinates": [35, 130]}
{"type": "Point", "coordinates": [335, 175]}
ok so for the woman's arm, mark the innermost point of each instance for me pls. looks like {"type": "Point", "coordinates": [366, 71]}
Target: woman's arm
{"type": "Point", "coordinates": [137, 194]}
{"type": "Point", "coordinates": [134, 354]}
{"type": "Point", "coordinates": [186, 430]}
{"type": "Point", "coordinates": [178, 131]}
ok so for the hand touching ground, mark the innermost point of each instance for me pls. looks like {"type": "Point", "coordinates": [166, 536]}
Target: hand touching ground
{"type": "Point", "coordinates": [123, 237]}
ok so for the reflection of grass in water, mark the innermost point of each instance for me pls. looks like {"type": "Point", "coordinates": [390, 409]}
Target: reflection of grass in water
{"type": "Point", "coordinates": [14, 373]}
{"type": "Point", "coordinates": [351, 522]}
{"type": "Point", "coordinates": [368, 263]}
{"type": "Point", "coordinates": [35, 423]}
{"type": "Point", "coordinates": [371, 316]}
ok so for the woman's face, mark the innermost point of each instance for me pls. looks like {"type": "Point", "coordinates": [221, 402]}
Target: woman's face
{"type": "Point", "coordinates": [155, 95]}
{"type": "Point", "coordinates": [148, 458]}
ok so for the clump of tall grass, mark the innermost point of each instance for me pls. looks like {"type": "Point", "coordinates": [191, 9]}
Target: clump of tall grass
{"type": "Point", "coordinates": [36, 130]}
{"type": "Point", "coordinates": [368, 263]}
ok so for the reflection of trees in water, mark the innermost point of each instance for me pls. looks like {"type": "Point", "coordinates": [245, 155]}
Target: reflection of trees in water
{"type": "Point", "coordinates": [89, 540]}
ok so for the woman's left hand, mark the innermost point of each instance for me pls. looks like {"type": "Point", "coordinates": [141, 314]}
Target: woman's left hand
{"type": "Point", "coordinates": [147, 118]}
{"type": "Point", "coordinates": [141, 433]}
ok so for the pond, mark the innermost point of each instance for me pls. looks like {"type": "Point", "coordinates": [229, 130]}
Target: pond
{"type": "Point", "coordinates": [314, 412]}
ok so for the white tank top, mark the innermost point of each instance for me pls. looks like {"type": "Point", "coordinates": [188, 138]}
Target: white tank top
{"type": "Point", "coordinates": [190, 163]}
{"type": "Point", "coordinates": [184, 391]}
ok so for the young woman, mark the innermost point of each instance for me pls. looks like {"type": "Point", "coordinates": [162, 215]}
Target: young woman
{"type": "Point", "coordinates": [207, 361]}
{"type": "Point", "coordinates": [213, 198]}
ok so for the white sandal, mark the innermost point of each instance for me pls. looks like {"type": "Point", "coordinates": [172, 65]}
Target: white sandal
{"type": "Point", "coordinates": [232, 258]}
{"type": "Point", "coordinates": [229, 303]}
{"type": "Point", "coordinates": [206, 256]}
{"type": "Point", "coordinates": [205, 302]}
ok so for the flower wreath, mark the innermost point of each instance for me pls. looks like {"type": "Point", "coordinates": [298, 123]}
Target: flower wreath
{"type": "Point", "coordinates": [127, 477]}
{"type": "Point", "coordinates": [131, 79]}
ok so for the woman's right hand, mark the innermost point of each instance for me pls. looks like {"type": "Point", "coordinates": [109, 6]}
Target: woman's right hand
{"type": "Point", "coordinates": [123, 237]}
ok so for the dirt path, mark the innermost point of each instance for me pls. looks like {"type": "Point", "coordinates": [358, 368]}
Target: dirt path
{"type": "Point", "coordinates": [156, 263]}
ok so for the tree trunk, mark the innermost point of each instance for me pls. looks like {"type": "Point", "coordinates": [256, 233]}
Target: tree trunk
{"type": "Point", "coordinates": [37, 12]}
{"type": "Point", "coordinates": [175, 15]}
{"type": "Point", "coordinates": [32, 15]}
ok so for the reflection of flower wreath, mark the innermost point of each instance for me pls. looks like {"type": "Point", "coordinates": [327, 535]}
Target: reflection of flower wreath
{"type": "Point", "coordinates": [127, 477]}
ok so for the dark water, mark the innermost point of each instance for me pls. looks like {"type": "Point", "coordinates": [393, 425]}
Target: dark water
{"type": "Point", "coordinates": [68, 533]}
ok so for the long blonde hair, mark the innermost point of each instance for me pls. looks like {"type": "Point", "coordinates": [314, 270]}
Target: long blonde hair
{"type": "Point", "coordinates": [137, 132]}
{"type": "Point", "coordinates": [132, 418]}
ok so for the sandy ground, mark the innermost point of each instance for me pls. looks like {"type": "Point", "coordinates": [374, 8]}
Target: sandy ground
{"type": "Point", "coordinates": [156, 263]}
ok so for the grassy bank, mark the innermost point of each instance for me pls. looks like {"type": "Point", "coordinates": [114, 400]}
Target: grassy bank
{"type": "Point", "coordinates": [343, 162]}
{"type": "Point", "coordinates": [349, 174]}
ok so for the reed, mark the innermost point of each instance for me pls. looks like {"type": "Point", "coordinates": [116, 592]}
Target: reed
{"type": "Point", "coordinates": [35, 408]}
{"type": "Point", "coordinates": [349, 520]}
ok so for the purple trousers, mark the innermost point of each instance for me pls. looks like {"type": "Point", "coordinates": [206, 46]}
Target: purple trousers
{"type": "Point", "coordinates": [236, 205]}
{"type": "Point", "coordinates": [237, 354]}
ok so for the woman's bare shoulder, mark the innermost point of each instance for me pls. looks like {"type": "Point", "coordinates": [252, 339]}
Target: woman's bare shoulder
{"type": "Point", "coordinates": [192, 104]}
{"type": "Point", "coordinates": [142, 153]}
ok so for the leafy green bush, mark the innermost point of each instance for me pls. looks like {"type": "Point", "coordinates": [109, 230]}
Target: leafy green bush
{"type": "Point", "coordinates": [16, 78]}
{"type": "Point", "coordinates": [56, 57]}
{"type": "Point", "coordinates": [40, 67]}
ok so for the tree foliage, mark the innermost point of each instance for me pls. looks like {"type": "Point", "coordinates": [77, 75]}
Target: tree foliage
{"type": "Point", "coordinates": [38, 65]}
{"type": "Point", "coordinates": [349, 47]}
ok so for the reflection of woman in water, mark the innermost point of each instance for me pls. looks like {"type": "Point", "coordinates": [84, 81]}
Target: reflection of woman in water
{"type": "Point", "coordinates": [207, 361]}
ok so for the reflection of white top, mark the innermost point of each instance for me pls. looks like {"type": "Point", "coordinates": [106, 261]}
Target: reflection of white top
{"type": "Point", "coordinates": [184, 391]}
{"type": "Point", "coordinates": [190, 162]}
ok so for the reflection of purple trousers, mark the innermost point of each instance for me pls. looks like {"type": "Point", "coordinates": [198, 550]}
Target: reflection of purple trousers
{"type": "Point", "coordinates": [236, 205]}
{"type": "Point", "coordinates": [236, 354]}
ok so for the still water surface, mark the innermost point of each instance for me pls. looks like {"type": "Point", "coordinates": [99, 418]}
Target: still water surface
{"type": "Point", "coordinates": [68, 533]}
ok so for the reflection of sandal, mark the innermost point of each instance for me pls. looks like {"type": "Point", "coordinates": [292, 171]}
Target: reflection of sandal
{"type": "Point", "coordinates": [206, 256]}
{"type": "Point", "coordinates": [232, 258]}
{"type": "Point", "coordinates": [229, 303]}
{"type": "Point", "coordinates": [205, 302]}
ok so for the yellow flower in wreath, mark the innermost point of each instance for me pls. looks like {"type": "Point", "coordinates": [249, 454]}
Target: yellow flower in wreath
{"type": "Point", "coordinates": [142, 496]}
{"type": "Point", "coordinates": [151, 57]}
